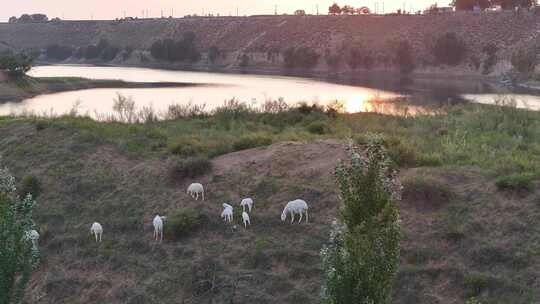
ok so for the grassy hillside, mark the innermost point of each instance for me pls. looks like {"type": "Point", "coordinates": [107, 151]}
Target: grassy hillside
{"type": "Point", "coordinates": [469, 214]}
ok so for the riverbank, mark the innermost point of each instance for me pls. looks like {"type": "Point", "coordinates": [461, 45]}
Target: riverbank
{"type": "Point", "coordinates": [14, 90]}
{"type": "Point", "coordinates": [470, 198]}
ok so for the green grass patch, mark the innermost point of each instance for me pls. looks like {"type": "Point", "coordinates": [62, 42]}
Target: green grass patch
{"type": "Point", "coordinates": [516, 182]}
{"type": "Point", "coordinates": [182, 223]}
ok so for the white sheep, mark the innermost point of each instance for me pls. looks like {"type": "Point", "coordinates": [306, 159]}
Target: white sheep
{"type": "Point", "coordinates": [245, 218]}
{"type": "Point", "coordinates": [158, 227]}
{"type": "Point", "coordinates": [97, 230]}
{"type": "Point", "coordinates": [247, 202]}
{"type": "Point", "coordinates": [33, 236]}
{"type": "Point", "coordinates": [195, 189]}
{"type": "Point", "coordinates": [295, 207]}
{"type": "Point", "coordinates": [227, 213]}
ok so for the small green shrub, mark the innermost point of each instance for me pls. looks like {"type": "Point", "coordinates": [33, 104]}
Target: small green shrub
{"type": "Point", "coordinates": [187, 146]}
{"type": "Point", "coordinates": [41, 125]}
{"type": "Point", "coordinates": [252, 141]}
{"type": "Point", "coordinates": [182, 223]}
{"type": "Point", "coordinates": [475, 284]}
{"type": "Point", "coordinates": [516, 182]}
{"type": "Point", "coordinates": [190, 167]}
{"type": "Point", "coordinates": [318, 127]}
{"type": "Point", "coordinates": [30, 185]}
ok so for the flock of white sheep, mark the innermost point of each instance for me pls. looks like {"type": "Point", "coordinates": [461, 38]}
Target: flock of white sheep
{"type": "Point", "coordinates": [196, 190]}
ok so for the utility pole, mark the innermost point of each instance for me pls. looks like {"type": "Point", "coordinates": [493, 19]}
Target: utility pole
{"type": "Point", "coordinates": [317, 9]}
{"type": "Point", "coordinates": [237, 11]}
{"type": "Point", "coordinates": [275, 9]}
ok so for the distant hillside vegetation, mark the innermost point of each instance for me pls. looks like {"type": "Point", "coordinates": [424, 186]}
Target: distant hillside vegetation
{"type": "Point", "coordinates": [261, 41]}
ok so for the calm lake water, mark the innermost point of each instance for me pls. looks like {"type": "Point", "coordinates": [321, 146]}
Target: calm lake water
{"type": "Point", "coordinates": [354, 93]}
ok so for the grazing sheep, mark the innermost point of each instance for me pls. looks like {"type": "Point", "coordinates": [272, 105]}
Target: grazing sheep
{"type": "Point", "coordinates": [227, 213]}
{"type": "Point", "coordinates": [195, 189]}
{"type": "Point", "coordinates": [158, 227]}
{"type": "Point", "coordinates": [247, 202]}
{"type": "Point", "coordinates": [295, 207]}
{"type": "Point", "coordinates": [97, 230]}
{"type": "Point", "coordinates": [245, 218]}
{"type": "Point", "coordinates": [32, 235]}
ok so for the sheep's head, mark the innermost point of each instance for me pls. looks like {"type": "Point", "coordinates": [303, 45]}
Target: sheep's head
{"type": "Point", "coordinates": [284, 214]}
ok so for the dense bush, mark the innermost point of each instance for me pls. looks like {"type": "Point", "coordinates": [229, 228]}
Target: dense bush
{"type": "Point", "coordinates": [302, 57]}
{"type": "Point", "coordinates": [190, 167]}
{"type": "Point", "coordinates": [449, 49]}
{"type": "Point", "coordinates": [18, 258]}
{"type": "Point", "coordinates": [103, 50]}
{"type": "Point", "coordinates": [181, 223]}
{"type": "Point", "coordinates": [26, 18]}
{"type": "Point", "coordinates": [244, 60]}
{"type": "Point", "coordinates": [516, 182]}
{"type": "Point", "coordinates": [181, 50]}
{"type": "Point", "coordinates": [318, 127]}
{"type": "Point", "coordinates": [354, 58]}
{"type": "Point", "coordinates": [15, 65]}
{"type": "Point", "coordinates": [524, 59]}
{"type": "Point", "coordinates": [362, 259]}
{"type": "Point", "coordinates": [360, 58]}
{"type": "Point", "coordinates": [59, 52]}
{"type": "Point", "coordinates": [490, 52]}
{"type": "Point", "coordinates": [252, 141]}
{"type": "Point", "coordinates": [30, 185]}
{"type": "Point", "coordinates": [187, 146]}
{"type": "Point", "coordinates": [213, 54]}
{"type": "Point", "coordinates": [404, 58]}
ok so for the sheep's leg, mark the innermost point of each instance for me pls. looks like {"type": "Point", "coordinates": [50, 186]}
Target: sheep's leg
{"type": "Point", "coordinates": [301, 215]}
{"type": "Point", "coordinates": [306, 217]}
{"type": "Point", "coordinates": [161, 240]}
{"type": "Point", "coordinates": [203, 195]}
{"type": "Point", "coordinates": [292, 217]}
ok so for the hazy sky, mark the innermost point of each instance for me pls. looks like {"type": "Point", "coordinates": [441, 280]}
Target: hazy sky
{"type": "Point", "coordinates": [110, 9]}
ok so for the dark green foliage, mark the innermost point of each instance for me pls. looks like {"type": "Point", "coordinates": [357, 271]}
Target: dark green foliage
{"type": "Point", "coordinates": [252, 141]}
{"type": "Point", "coordinates": [468, 5]}
{"type": "Point", "coordinates": [449, 49]}
{"type": "Point", "coordinates": [181, 50]}
{"type": "Point", "coordinates": [354, 58]}
{"type": "Point", "coordinates": [302, 57]}
{"type": "Point", "coordinates": [524, 59]}
{"type": "Point", "coordinates": [187, 146]}
{"type": "Point", "coordinates": [362, 260]}
{"type": "Point", "coordinates": [26, 18]}
{"type": "Point", "coordinates": [18, 257]}
{"type": "Point", "coordinates": [30, 185]}
{"type": "Point", "coordinates": [59, 52]}
{"type": "Point", "coordinates": [516, 182]}
{"type": "Point", "coordinates": [490, 52]}
{"type": "Point", "coordinates": [190, 167]}
{"type": "Point", "coordinates": [16, 65]}
{"type": "Point", "coordinates": [244, 61]}
{"type": "Point", "coordinates": [103, 50]}
{"type": "Point", "coordinates": [181, 223]}
{"type": "Point", "coordinates": [213, 53]}
{"type": "Point", "coordinates": [318, 127]}
{"type": "Point", "coordinates": [335, 9]}
{"type": "Point", "coordinates": [404, 57]}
